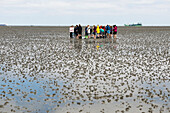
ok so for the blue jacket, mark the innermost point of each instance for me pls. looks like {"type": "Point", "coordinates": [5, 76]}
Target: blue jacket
{"type": "Point", "coordinates": [108, 27]}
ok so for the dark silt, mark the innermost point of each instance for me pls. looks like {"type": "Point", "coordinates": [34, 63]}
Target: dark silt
{"type": "Point", "coordinates": [43, 70]}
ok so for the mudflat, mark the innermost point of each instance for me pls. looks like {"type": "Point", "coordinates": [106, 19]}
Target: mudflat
{"type": "Point", "coordinates": [43, 70]}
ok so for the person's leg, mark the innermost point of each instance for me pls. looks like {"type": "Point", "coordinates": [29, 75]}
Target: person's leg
{"type": "Point", "coordinates": [107, 34]}
{"type": "Point", "coordinates": [74, 35]}
{"type": "Point", "coordinates": [94, 35]}
{"type": "Point", "coordinates": [81, 35]}
{"type": "Point", "coordinates": [86, 35]}
{"type": "Point", "coordinates": [77, 36]}
{"type": "Point", "coordinates": [110, 34]}
{"type": "Point", "coordinates": [115, 36]}
{"type": "Point", "coordinates": [91, 35]}
{"type": "Point", "coordinates": [70, 34]}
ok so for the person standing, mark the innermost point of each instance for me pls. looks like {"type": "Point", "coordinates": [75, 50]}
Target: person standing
{"type": "Point", "coordinates": [86, 32]}
{"type": "Point", "coordinates": [111, 31]}
{"type": "Point", "coordinates": [76, 31]}
{"type": "Point", "coordinates": [91, 32]}
{"type": "Point", "coordinates": [71, 31]}
{"type": "Point", "coordinates": [79, 32]}
{"type": "Point", "coordinates": [98, 31]}
{"type": "Point", "coordinates": [108, 31]}
{"type": "Point", "coordinates": [101, 32]}
{"type": "Point", "coordinates": [94, 31]}
{"type": "Point", "coordinates": [104, 27]}
{"type": "Point", "coordinates": [114, 31]}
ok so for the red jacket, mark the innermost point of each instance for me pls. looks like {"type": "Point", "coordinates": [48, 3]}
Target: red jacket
{"type": "Point", "coordinates": [104, 28]}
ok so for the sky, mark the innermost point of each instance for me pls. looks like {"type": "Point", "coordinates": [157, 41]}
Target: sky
{"type": "Point", "coordinates": [71, 12]}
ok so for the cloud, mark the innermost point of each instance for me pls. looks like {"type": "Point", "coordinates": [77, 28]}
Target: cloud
{"type": "Point", "coordinates": [84, 8]}
{"type": "Point", "coordinates": [92, 7]}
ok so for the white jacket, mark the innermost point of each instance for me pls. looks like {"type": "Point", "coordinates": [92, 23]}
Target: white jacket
{"type": "Point", "coordinates": [88, 29]}
{"type": "Point", "coordinates": [72, 29]}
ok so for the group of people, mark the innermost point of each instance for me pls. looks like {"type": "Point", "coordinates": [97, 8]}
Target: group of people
{"type": "Point", "coordinates": [93, 32]}
{"type": "Point", "coordinates": [76, 31]}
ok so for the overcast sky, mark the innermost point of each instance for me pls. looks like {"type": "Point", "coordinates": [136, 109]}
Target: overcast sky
{"type": "Point", "coordinates": [67, 12]}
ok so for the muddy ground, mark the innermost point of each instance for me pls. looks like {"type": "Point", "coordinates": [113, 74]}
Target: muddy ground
{"type": "Point", "coordinates": [42, 70]}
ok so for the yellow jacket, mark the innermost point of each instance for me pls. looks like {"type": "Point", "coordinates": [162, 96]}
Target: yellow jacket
{"type": "Point", "coordinates": [98, 29]}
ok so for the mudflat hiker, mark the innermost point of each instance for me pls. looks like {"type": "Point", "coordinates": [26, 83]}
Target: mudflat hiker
{"type": "Point", "coordinates": [111, 31]}
{"type": "Point", "coordinates": [86, 32]}
{"type": "Point", "coordinates": [98, 31]}
{"type": "Point", "coordinates": [76, 31]}
{"type": "Point", "coordinates": [108, 31]}
{"type": "Point", "coordinates": [72, 31]}
{"type": "Point", "coordinates": [94, 31]}
{"type": "Point", "coordinates": [101, 32]}
{"type": "Point", "coordinates": [114, 31]}
{"type": "Point", "coordinates": [79, 32]}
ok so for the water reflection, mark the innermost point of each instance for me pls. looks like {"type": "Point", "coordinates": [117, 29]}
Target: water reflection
{"type": "Point", "coordinates": [90, 44]}
{"type": "Point", "coordinates": [78, 45]}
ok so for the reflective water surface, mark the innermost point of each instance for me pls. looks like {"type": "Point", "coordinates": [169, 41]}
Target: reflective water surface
{"type": "Point", "coordinates": [42, 70]}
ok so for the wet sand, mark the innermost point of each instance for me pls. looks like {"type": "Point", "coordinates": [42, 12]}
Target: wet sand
{"type": "Point", "coordinates": [42, 70]}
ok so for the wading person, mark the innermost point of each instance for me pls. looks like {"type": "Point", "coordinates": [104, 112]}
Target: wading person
{"type": "Point", "coordinates": [101, 32]}
{"type": "Point", "coordinates": [86, 32]}
{"type": "Point", "coordinates": [91, 30]}
{"type": "Point", "coordinates": [94, 31]}
{"type": "Point", "coordinates": [76, 31]}
{"type": "Point", "coordinates": [114, 31]}
{"type": "Point", "coordinates": [71, 31]}
{"type": "Point", "coordinates": [111, 31]}
{"type": "Point", "coordinates": [104, 27]}
{"type": "Point", "coordinates": [98, 31]}
{"type": "Point", "coordinates": [108, 31]}
{"type": "Point", "coordinates": [79, 32]}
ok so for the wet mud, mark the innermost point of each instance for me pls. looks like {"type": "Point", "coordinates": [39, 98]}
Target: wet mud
{"type": "Point", "coordinates": [43, 70]}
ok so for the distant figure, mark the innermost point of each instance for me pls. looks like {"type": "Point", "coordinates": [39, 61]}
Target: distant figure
{"type": "Point", "coordinates": [94, 31]}
{"type": "Point", "coordinates": [91, 32]}
{"type": "Point", "coordinates": [111, 31]}
{"type": "Point", "coordinates": [101, 32]}
{"type": "Point", "coordinates": [98, 31]}
{"type": "Point", "coordinates": [76, 31]}
{"type": "Point", "coordinates": [79, 32]}
{"type": "Point", "coordinates": [105, 32]}
{"type": "Point", "coordinates": [86, 32]}
{"type": "Point", "coordinates": [108, 31]}
{"type": "Point", "coordinates": [71, 31]}
{"type": "Point", "coordinates": [114, 31]}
